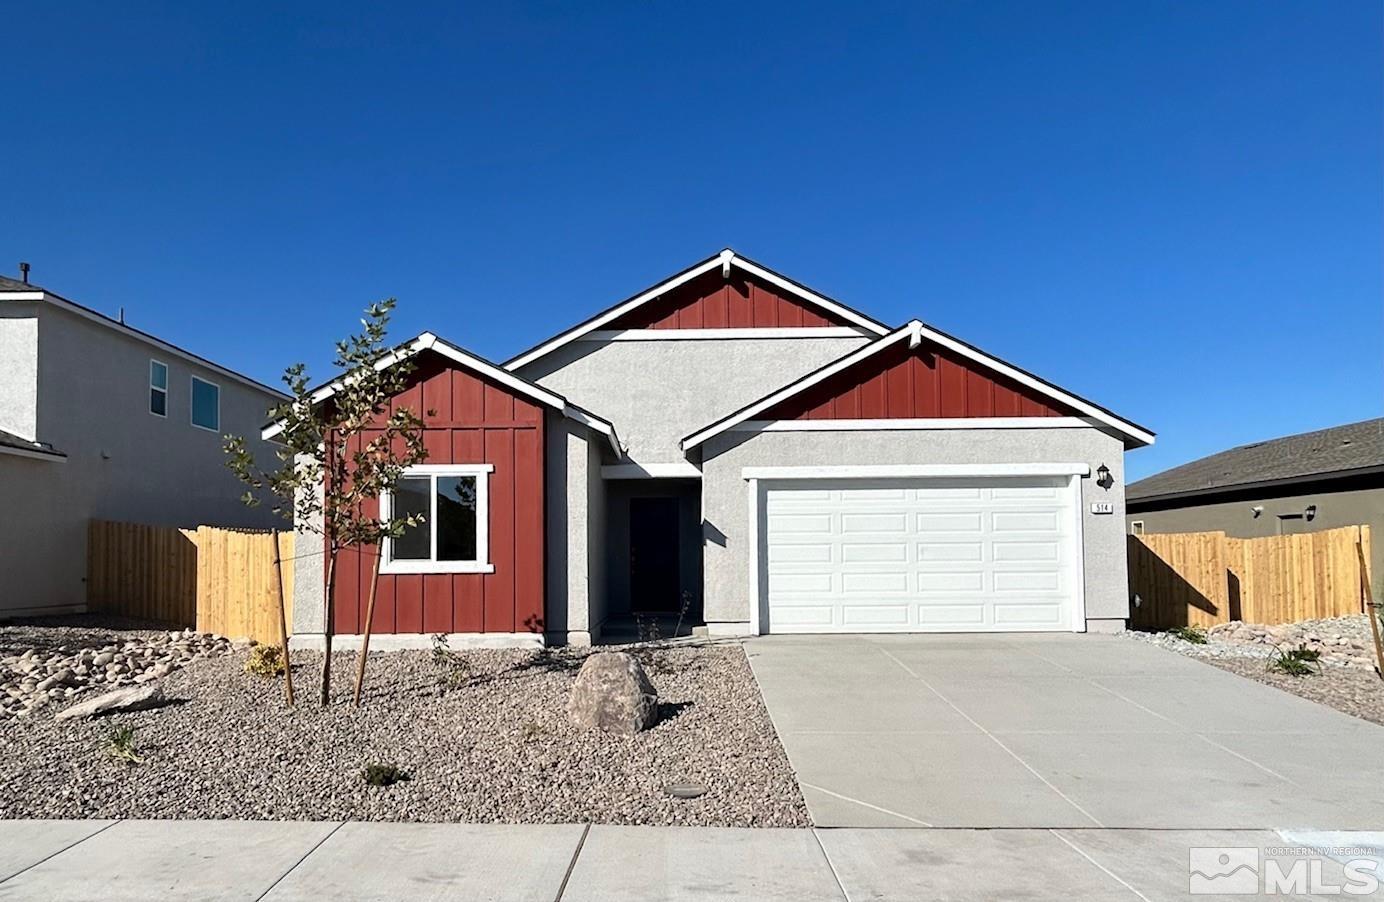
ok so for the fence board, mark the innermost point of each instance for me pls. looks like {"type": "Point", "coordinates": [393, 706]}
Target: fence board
{"type": "Point", "coordinates": [217, 580]}
{"type": "Point", "coordinates": [1207, 578]}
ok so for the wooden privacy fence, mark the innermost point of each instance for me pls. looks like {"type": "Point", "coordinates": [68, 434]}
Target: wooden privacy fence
{"type": "Point", "coordinates": [217, 580]}
{"type": "Point", "coordinates": [1205, 578]}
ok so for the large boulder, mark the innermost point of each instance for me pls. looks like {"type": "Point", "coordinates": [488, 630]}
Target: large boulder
{"type": "Point", "coordinates": [135, 698]}
{"type": "Point", "coordinates": [612, 693]}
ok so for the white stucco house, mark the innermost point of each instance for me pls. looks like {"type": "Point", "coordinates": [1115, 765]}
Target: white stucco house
{"type": "Point", "coordinates": [777, 460]}
{"type": "Point", "coordinates": [99, 420]}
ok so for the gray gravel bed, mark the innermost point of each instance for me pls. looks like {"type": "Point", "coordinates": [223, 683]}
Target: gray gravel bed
{"type": "Point", "coordinates": [492, 745]}
{"type": "Point", "coordinates": [1347, 681]}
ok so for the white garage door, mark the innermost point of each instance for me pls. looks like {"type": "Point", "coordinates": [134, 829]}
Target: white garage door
{"type": "Point", "coordinates": [961, 555]}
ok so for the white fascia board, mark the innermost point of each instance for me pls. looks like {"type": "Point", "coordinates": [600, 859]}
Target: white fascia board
{"type": "Point", "coordinates": [723, 334]}
{"type": "Point", "coordinates": [429, 341]}
{"type": "Point", "coordinates": [605, 427]}
{"type": "Point", "coordinates": [794, 388]}
{"type": "Point", "coordinates": [93, 316]}
{"type": "Point", "coordinates": [674, 470]}
{"type": "Point", "coordinates": [906, 471]}
{"type": "Point", "coordinates": [33, 455]}
{"type": "Point", "coordinates": [1004, 369]}
{"type": "Point", "coordinates": [915, 424]}
{"type": "Point", "coordinates": [614, 313]}
{"type": "Point", "coordinates": [813, 297]}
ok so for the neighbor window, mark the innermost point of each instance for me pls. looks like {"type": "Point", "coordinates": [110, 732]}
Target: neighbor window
{"type": "Point", "coordinates": [206, 404]}
{"type": "Point", "coordinates": [158, 388]}
{"type": "Point", "coordinates": [1136, 528]}
{"type": "Point", "coordinates": [454, 536]}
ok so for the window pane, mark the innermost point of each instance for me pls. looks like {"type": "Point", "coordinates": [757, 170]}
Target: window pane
{"type": "Point", "coordinates": [205, 404]}
{"type": "Point", "coordinates": [410, 498]}
{"type": "Point", "coordinates": [456, 518]}
{"type": "Point", "coordinates": [158, 375]}
{"type": "Point", "coordinates": [158, 402]}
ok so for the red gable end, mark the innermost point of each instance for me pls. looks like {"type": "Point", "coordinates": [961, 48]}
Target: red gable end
{"type": "Point", "coordinates": [712, 302]}
{"type": "Point", "coordinates": [927, 382]}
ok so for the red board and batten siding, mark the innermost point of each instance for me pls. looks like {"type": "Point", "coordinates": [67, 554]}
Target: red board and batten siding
{"type": "Point", "coordinates": [467, 419]}
{"type": "Point", "coordinates": [924, 383]}
{"type": "Point", "coordinates": [713, 302]}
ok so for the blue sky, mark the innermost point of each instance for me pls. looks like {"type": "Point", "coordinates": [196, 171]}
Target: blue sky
{"type": "Point", "coordinates": [1171, 208]}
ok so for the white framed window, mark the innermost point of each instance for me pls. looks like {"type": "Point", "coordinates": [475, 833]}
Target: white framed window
{"type": "Point", "coordinates": [1136, 527]}
{"type": "Point", "coordinates": [206, 404]}
{"type": "Point", "coordinates": [158, 388]}
{"type": "Point", "coordinates": [454, 537]}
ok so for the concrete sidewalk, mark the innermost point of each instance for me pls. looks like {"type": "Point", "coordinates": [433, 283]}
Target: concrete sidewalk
{"type": "Point", "coordinates": [281, 861]}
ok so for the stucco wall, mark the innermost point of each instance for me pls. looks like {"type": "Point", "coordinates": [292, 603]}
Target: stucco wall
{"type": "Point", "coordinates": [657, 392]}
{"type": "Point", "coordinates": [123, 462]}
{"type": "Point", "coordinates": [1236, 519]}
{"type": "Point", "coordinates": [724, 500]}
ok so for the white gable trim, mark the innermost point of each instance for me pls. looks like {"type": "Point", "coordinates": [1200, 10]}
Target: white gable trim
{"type": "Point", "coordinates": [723, 334]}
{"type": "Point", "coordinates": [915, 424]}
{"type": "Point", "coordinates": [916, 332]}
{"type": "Point", "coordinates": [428, 341]}
{"type": "Point", "coordinates": [724, 260]}
{"type": "Point", "coordinates": [1125, 427]}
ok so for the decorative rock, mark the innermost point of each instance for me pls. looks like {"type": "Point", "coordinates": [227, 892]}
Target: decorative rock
{"type": "Point", "coordinates": [135, 699]}
{"type": "Point", "coordinates": [612, 693]}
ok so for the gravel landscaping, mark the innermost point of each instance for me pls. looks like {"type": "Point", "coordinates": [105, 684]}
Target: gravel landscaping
{"type": "Point", "coordinates": [483, 737]}
{"type": "Point", "coordinates": [1347, 681]}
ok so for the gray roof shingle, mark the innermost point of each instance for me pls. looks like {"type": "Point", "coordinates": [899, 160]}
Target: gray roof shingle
{"type": "Point", "coordinates": [1311, 454]}
{"type": "Point", "coordinates": [10, 440]}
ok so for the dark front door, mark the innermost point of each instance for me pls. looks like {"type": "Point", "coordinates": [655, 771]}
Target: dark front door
{"type": "Point", "coordinates": [654, 577]}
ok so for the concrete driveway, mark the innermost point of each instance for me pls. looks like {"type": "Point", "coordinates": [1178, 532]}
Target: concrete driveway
{"type": "Point", "coordinates": [1057, 731]}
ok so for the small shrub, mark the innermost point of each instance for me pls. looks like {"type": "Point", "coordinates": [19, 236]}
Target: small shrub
{"type": "Point", "coordinates": [384, 774]}
{"type": "Point", "coordinates": [265, 661]}
{"type": "Point", "coordinates": [1193, 634]}
{"type": "Point", "coordinates": [122, 746]}
{"type": "Point", "coordinates": [1299, 661]}
{"type": "Point", "coordinates": [457, 670]}
{"type": "Point", "coordinates": [531, 731]}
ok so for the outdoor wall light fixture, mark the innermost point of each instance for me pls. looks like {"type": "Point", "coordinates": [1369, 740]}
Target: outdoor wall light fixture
{"type": "Point", "coordinates": [1103, 477]}
{"type": "Point", "coordinates": [1311, 512]}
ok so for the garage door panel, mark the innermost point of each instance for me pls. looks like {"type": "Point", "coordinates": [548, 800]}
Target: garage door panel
{"type": "Point", "coordinates": [1029, 615]}
{"type": "Point", "coordinates": [962, 581]}
{"type": "Point", "coordinates": [795, 583]}
{"type": "Point", "coordinates": [895, 615]}
{"type": "Point", "coordinates": [969, 522]}
{"type": "Point", "coordinates": [873, 583]}
{"type": "Point", "coordinates": [1025, 521]}
{"type": "Point", "coordinates": [950, 552]}
{"type": "Point", "coordinates": [790, 616]}
{"type": "Point", "coordinates": [1038, 581]}
{"type": "Point", "coordinates": [874, 552]}
{"type": "Point", "coordinates": [807, 553]}
{"type": "Point", "coordinates": [1026, 551]}
{"type": "Point", "coordinates": [921, 555]}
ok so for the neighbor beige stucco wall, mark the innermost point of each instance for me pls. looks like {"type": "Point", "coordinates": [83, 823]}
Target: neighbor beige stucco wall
{"type": "Point", "coordinates": [1360, 507]}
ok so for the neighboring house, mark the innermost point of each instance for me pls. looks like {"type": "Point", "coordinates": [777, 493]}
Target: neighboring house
{"type": "Point", "coordinates": [1300, 483]}
{"type": "Point", "coordinates": [781, 461]}
{"type": "Point", "coordinates": [100, 420]}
